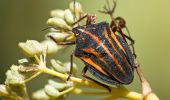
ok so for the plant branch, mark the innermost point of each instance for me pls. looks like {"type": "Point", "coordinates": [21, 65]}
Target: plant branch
{"type": "Point", "coordinates": [116, 91]}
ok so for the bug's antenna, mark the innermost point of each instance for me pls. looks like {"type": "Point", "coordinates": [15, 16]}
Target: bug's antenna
{"type": "Point", "coordinates": [46, 28]}
{"type": "Point", "coordinates": [108, 10]}
{"type": "Point", "coordinates": [107, 1]}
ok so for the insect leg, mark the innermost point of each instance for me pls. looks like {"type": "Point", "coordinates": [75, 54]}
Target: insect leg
{"type": "Point", "coordinates": [65, 43]}
{"type": "Point", "coordinates": [132, 41]}
{"type": "Point", "coordinates": [89, 78]}
{"type": "Point", "coordinates": [60, 43]}
{"type": "Point", "coordinates": [119, 30]}
{"type": "Point", "coordinates": [85, 16]}
{"type": "Point", "coordinates": [71, 66]}
{"type": "Point", "coordinates": [90, 19]}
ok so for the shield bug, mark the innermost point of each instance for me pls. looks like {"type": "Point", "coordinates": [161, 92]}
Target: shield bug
{"type": "Point", "coordinates": [107, 55]}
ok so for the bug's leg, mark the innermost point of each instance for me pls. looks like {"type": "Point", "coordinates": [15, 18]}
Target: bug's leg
{"type": "Point", "coordinates": [132, 41]}
{"type": "Point", "coordinates": [60, 43]}
{"type": "Point", "coordinates": [90, 19]}
{"type": "Point", "coordinates": [89, 78]}
{"type": "Point", "coordinates": [66, 43]}
{"type": "Point", "coordinates": [119, 30]}
{"type": "Point", "coordinates": [120, 24]}
{"type": "Point", "coordinates": [71, 66]}
{"type": "Point", "coordinates": [85, 16]}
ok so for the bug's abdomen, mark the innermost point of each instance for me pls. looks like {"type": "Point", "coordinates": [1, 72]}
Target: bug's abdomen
{"type": "Point", "coordinates": [104, 52]}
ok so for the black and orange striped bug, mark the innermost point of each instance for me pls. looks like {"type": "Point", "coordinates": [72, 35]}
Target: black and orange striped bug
{"type": "Point", "coordinates": [106, 55]}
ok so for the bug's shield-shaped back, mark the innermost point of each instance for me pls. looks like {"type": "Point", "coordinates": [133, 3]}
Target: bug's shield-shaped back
{"type": "Point", "coordinates": [107, 55]}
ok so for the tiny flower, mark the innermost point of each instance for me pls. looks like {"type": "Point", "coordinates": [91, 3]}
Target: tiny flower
{"type": "Point", "coordinates": [51, 91]}
{"type": "Point", "coordinates": [40, 95]}
{"type": "Point", "coordinates": [57, 13]}
{"type": "Point", "coordinates": [31, 48]}
{"type": "Point", "coordinates": [23, 61]}
{"type": "Point", "coordinates": [67, 66]}
{"type": "Point", "coordinates": [51, 46]}
{"type": "Point", "coordinates": [70, 38]}
{"type": "Point", "coordinates": [58, 23]}
{"type": "Point", "coordinates": [3, 91]}
{"type": "Point", "coordinates": [68, 16]}
{"type": "Point", "coordinates": [76, 8]}
{"type": "Point", "coordinates": [14, 77]}
{"type": "Point", "coordinates": [15, 83]}
{"type": "Point", "coordinates": [151, 96]}
{"type": "Point", "coordinates": [58, 36]}
{"type": "Point", "coordinates": [58, 66]}
{"type": "Point", "coordinates": [57, 85]}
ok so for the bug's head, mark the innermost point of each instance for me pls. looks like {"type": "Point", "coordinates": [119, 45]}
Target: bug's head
{"type": "Point", "coordinates": [120, 22]}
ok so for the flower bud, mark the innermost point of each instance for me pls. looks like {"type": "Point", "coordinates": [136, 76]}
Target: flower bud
{"type": "Point", "coordinates": [14, 77]}
{"type": "Point", "coordinates": [69, 83]}
{"type": "Point", "coordinates": [31, 48]}
{"type": "Point", "coordinates": [58, 23]}
{"type": "Point", "coordinates": [67, 66]}
{"type": "Point", "coordinates": [3, 91]}
{"type": "Point", "coordinates": [151, 96]}
{"type": "Point", "coordinates": [58, 66]}
{"type": "Point", "coordinates": [57, 85]}
{"type": "Point", "coordinates": [57, 13]}
{"type": "Point", "coordinates": [51, 91]}
{"type": "Point", "coordinates": [68, 16]}
{"type": "Point", "coordinates": [23, 61]}
{"type": "Point", "coordinates": [75, 7]}
{"type": "Point", "coordinates": [40, 95]}
{"type": "Point", "coordinates": [15, 82]}
{"type": "Point", "coordinates": [51, 46]}
{"type": "Point", "coordinates": [71, 38]}
{"type": "Point", "coordinates": [58, 36]}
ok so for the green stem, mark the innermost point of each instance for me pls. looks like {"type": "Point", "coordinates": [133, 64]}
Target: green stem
{"type": "Point", "coordinates": [74, 79]}
{"type": "Point", "coordinates": [80, 91]}
{"type": "Point", "coordinates": [133, 95]}
{"type": "Point", "coordinates": [66, 91]}
{"type": "Point", "coordinates": [33, 76]}
{"type": "Point", "coordinates": [116, 92]}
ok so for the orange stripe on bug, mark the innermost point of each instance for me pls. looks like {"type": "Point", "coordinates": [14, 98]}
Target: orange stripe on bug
{"type": "Point", "coordinates": [93, 64]}
{"type": "Point", "coordinates": [97, 40]}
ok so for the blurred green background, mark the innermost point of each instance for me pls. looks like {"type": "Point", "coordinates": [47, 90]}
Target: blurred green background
{"type": "Point", "coordinates": [148, 21]}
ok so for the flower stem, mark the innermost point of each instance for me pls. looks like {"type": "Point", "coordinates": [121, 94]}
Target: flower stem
{"type": "Point", "coordinates": [30, 78]}
{"type": "Point", "coordinates": [116, 92]}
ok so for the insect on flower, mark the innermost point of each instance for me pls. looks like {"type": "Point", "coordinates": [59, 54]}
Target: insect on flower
{"type": "Point", "coordinates": [104, 50]}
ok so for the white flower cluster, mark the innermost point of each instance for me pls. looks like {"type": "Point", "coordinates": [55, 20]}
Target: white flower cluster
{"type": "Point", "coordinates": [61, 23]}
